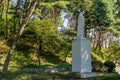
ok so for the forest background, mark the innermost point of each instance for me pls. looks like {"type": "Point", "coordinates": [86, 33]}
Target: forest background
{"type": "Point", "coordinates": [32, 32]}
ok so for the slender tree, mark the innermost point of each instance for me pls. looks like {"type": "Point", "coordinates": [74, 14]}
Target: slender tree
{"type": "Point", "coordinates": [1, 8]}
{"type": "Point", "coordinates": [15, 15]}
{"type": "Point", "coordinates": [7, 21]}
{"type": "Point", "coordinates": [29, 14]}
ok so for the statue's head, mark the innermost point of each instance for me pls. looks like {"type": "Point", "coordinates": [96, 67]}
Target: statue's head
{"type": "Point", "coordinates": [81, 11]}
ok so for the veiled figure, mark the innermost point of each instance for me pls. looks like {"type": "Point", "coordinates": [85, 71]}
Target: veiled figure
{"type": "Point", "coordinates": [81, 25]}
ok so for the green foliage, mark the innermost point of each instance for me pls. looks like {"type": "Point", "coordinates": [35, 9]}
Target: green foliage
{"type": "Point", "coordinates": [80, 4]}
{"type": "Point", "coordinates": [52, 41]}
{"type": "Point", "coordinates": [109, 77]}
{"type": "Point", "coordinates": [98, 55]}
{"type": "Point", "coordinates": [63, 65]}
{"type": "Point", "coordinates": [43, 28]}
{"type": "Point", "coordinates": [2, 29]}
{"type": "Point", "coordinates": [115, 30]}
{"type": "Point", "coordinates": [99, 15]}
{"type": "Point", "coordinates": [22, 59]}
{"type": "Point", "coordinates": [48, 65]}
{"type": "Point", "coordinates": [102, 13]}
{"type": "Point", "coordinates": [58, 4]}
{"type": "Point", "coordinates": [113, 52]}
{"type": "Point", "coordinates": [115, 27]}
{"type": "Point", "coordinates": [31, 65]}
{"type": "Point", "coordinates": [109, 65]}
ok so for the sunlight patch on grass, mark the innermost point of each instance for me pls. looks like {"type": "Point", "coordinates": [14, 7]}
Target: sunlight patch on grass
{"type": "Point", "coordinates": [0, 68]}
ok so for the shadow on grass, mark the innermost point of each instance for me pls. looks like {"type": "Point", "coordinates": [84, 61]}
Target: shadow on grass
{"type": "Point", "coordinates": [20, 75]}
{"type": "Point", "coordinates": [15, 73]}
{"type": "Point", "coordinates": [51, 58]}
{"type": "Point", "coordinates": [109, 76]}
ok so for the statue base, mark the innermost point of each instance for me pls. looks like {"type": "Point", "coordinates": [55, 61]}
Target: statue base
{"type": "Point", "coordinates": [83, 75]}
{"type": "Point", "coordinates": [81, 58]}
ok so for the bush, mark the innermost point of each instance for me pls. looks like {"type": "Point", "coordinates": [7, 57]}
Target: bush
{"type": "Point", "coordinates": [22, 59]}
{"type": "Point", "coordinates": [64, 65]}
{"type": "Point", "coordinates": [109, 65]}
{"type": "Point", "coordinates": [32, 66]}
{"type": "Point", "coordinates": [109, 77]}
{"type": "Point", "coordinates": [97, 65]}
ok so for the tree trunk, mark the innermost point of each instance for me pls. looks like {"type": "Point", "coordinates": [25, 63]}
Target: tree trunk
{"type": "Point", "coordinates": [15, 25]}
{"type": "Point", "coordinates": [40, 50]}
{"type": "Point", "coordinates": [98, 45]}
{"type": "Point", "coordinates": [6, 33]}
{"type": "Point", "coordinates": [8, 58]}
{"type": "Point", "coordinates": [66, 55]}
{"type": "Point", "coordinates": [2, 8]}
{"type": "Point", "coordinates": [16, 13]}
{"type": "Point", "coordinates": [94, 39]}
{"type": "Point", "coordinates": [19, 12]}
{"type": "Point", "coordinates": [85, 32]}
{"type": "Point", "coordinates": [76, 25]}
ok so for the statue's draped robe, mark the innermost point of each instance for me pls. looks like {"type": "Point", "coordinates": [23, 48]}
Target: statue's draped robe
{"type": "Point", "coordinates": [81, 25]}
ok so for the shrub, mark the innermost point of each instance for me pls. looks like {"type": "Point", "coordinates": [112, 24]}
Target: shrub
{"type": "Point", "coordinates": [109, 77]}
{"type": "Point", "coordinates": [109, 65]}
{"type": "Point", "coordinates": [64, 65]}
{"type": "Point", "coordinates": [22, 59]}
{"type": "Point", "coordinates": [31, 66]}
{"type": "Point", "coordinates": [97, 65]}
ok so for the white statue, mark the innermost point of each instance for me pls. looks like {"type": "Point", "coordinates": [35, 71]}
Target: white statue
{"type": "Point", "coordinates": [81, 25]}
{"type": "Point", "coordinates": [81, 52]}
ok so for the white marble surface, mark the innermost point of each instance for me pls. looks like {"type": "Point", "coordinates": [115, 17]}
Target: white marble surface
{"type": "Point", "coordinates": [81, 53]}
{"type": "Point", "coordinates": [81, 58]}
{"type": "Point", "coordinates": [88, 75]}
{"type": "Point", "coordinates": [81, 25]}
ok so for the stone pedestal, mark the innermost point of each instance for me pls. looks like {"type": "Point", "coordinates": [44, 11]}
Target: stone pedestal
{"type": "Point", "coordinates": [81, 58]}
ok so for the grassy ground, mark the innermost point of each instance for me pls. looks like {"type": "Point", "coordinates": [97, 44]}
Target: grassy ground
{"type": "Point", "coordinates": [18, 74]}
